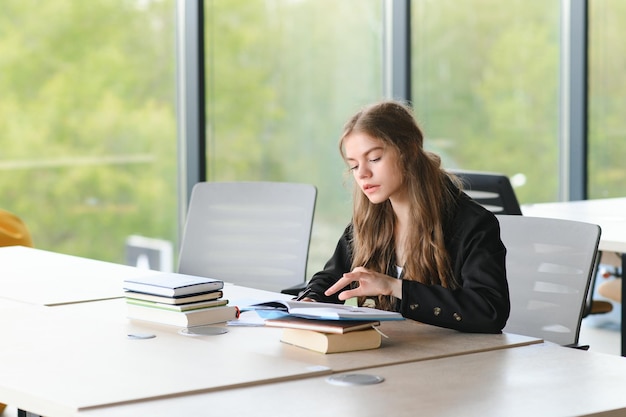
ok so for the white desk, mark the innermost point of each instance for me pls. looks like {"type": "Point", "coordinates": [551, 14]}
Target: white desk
{"type": "Point", "coordinates": [57, 360]}
{"type": "Point", "coordinates": [46, 278]}
{"type": "Point", "coordinates": [66, 358]}
{"type": "Point", "coordinates": [538, 380]}
{"type": "Point", "coordinates": [609, 214]}
{"type": "Point", "coordinates": [76, 356]}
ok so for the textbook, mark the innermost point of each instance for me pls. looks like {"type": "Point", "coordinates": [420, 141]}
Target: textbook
{"type": "Point", "coordinates": [321, 311]}
{"type": "Point", "coordinates": [332, 342]}
{"type": "Point", "coordinates": [182, 299]}
{"type": "Point", "coordinates": [325, 326]}
{"type": "Point", "coordinates": [200, 317]}
{"type": "Point", "coordinates": [170, 284]}
{"type": "Point", "coordinates": [178, 307]}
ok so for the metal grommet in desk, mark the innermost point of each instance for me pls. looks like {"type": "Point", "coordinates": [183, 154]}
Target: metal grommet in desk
{"type": "Point", "coordinates": [354, 379]}
{"type": "Point", "coordinates": [203, 331]}
{"type": "Point", "coordinates": [140, 336]}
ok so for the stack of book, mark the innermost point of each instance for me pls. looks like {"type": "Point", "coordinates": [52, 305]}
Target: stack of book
{"type": "Point", "coordinates": [328, 336]}
{"type": "Point", "coordinates": [178, 300]}
{"type": "Point", "coordinates": [325, 327]}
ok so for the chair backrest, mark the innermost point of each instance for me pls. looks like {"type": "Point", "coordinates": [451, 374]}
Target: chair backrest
{"type": "Point", "coordinates": [491, 189]}
{"type": "Point", "coordinates": [549, 265]}
{"type": "Point", "coordinates": [13, 230]}
{"type": "Point", "coordinates": [255, 234]}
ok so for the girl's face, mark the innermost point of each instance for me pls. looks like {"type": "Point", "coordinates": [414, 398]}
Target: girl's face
{"type": "Point", "coordinates": [375, 167]}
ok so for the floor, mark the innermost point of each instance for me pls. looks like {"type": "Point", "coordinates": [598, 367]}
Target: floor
{"type": "Point", "coordinates": [602, 332]}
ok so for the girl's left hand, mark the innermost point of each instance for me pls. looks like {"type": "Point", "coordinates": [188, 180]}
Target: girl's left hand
{"type": "Point", "coordinates": [370, 284]}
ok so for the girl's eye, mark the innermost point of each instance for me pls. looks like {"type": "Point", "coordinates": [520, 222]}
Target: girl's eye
{"type": "Point", "coordinates": [353, 168]}
{"type": "Point", "coordinates": [375, 159]}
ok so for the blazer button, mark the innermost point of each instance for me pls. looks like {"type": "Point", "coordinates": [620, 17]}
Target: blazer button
{"type": "Point", "coordinates": [457, 316]}
{"type": "Point", "coordinates": [437, 311]}
{"type": "Point", "coordinates": [414, 306]}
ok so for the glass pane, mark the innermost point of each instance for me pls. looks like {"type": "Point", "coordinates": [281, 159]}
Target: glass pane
{"type": "Point", "coordinates": [88, 122]}
{"type": "Point", "coordinates": [282, 78]}
{"type": "Point", "coordinates": [485, 87]}
{"type": "Point", "coordinates": [607, 80]}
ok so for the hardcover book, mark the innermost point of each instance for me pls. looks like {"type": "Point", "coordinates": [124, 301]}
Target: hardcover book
{"type": "Point", "coordinates": [178, 307]}
{"type": "Point", "coordinates": [332, 342]}
{"type": "Point", "coordinates": [181, 299]}
{"type": "Point", "coordinates": [210, 315]}
{"type": "Point", "coordinates": [325, 326]}
{"type": "Point", "coordinates": [171, 284]}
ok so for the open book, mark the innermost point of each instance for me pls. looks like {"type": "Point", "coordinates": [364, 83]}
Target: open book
{"type": "Point", "coordinates": [321, 311]}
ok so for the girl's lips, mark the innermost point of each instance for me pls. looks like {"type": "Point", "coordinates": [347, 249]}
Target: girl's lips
{"type": "Point", "coordinates": [368, 188]}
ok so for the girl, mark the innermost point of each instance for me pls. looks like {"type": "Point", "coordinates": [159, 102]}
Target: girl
{"type": "Point", "coordinates": [416, 244]}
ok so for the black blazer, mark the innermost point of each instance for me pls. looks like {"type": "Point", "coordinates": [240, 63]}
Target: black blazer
{"type": "Point", "coordinates": [481, 304]}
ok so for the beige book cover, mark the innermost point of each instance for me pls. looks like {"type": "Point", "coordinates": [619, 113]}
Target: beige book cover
{"type": "Point", "coordinates": [332, 342]}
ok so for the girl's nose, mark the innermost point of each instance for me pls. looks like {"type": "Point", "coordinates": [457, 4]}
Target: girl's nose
{"type": "Point", "coordinates": [363, 172]}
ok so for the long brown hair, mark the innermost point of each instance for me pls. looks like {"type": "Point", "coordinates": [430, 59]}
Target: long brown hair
{"type": "Point", "coordinates": [430, 191]}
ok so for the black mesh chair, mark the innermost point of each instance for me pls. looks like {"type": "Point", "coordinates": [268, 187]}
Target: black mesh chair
{"type": "Point", "coordinates": [491, 189]}
{"type": "Point", "coordinates": [494, 191]}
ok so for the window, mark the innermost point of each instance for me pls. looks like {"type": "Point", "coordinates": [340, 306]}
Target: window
{"type": "Point", "coordinates": [607, 125]}
{"type": "Point", "coordinates": [88, 122]}
{"type": "Point", "coordinates": [485, 80]}
{"type": "Point", "coordinates": [282, 77]}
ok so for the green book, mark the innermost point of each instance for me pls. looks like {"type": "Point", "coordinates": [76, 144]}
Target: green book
{"type": "Point", "coordinates": [178, 307]}
{"type": "Point", "coordinates": [183, 299]}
